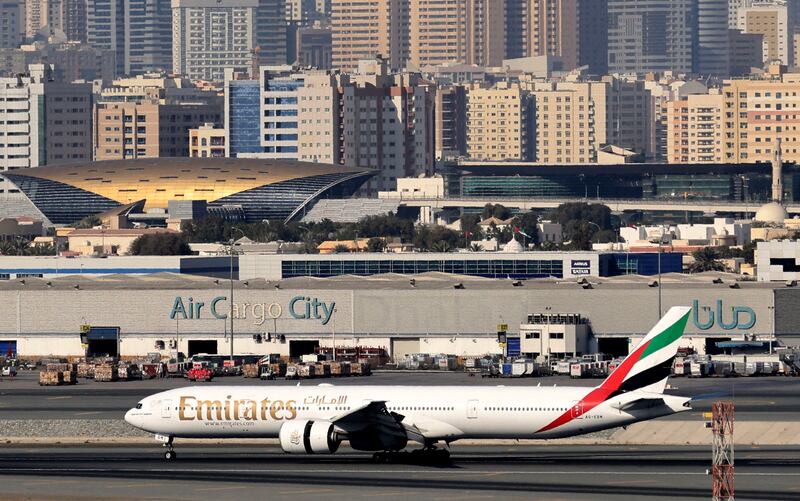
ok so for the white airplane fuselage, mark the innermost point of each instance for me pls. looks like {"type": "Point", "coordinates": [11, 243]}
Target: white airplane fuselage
{"type": "Point", "coordinates": [442, 412]}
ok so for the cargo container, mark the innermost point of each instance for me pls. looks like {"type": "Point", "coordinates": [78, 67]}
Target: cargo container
{"type": "Point", "coordinates": [105, 373]}
{"type": "Point", "coordinates": [698, 369]}
{"type": "Point", "coordinates": [250, 371]}
{"type": "Point", "coordinates": [69, 377]}
{"type": "Point", "coordinates": [50, 378]}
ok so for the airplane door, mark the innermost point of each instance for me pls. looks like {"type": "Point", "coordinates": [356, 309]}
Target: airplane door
{"type": "Point", "coordinates": [472, 409]}
{"type": "Point", "coordinates": [576, 411]}
{"type": "Point", "coordinates": [166, 408]}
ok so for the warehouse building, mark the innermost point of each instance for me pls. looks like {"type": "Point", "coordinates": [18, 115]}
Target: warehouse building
{"type": "Point", "coordinates": [132, 315]}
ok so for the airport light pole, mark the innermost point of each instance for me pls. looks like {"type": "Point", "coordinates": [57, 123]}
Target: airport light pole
{"type": "Point", "coordinates": [231, 281]}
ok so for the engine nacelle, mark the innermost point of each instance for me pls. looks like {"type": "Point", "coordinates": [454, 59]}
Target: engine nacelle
{"type": "Point", "coordinates": [309, 437]}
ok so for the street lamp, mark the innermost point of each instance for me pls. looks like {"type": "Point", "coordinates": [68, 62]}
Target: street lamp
{"type": "Point", "coordinates": [234, 229]}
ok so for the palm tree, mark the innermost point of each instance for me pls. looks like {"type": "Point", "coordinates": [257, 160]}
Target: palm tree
{"type": "Point", "coordinates": [706, 259]}
{"type": "Point", "coordinates": [441, 247]}
{"type": "Point", "coordinates": [341, 248]}
{"type": "Point", "coordinates": [474, 247]}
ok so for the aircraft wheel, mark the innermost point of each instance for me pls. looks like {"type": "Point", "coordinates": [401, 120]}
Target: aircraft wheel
{"type": "Point", "coordinates": [170, 455]}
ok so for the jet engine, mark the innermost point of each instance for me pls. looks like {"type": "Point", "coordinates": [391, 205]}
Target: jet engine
{"type": "Point", "coordinates": [309, 437]}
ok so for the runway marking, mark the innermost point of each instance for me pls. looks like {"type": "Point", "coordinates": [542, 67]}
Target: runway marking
{"type": "Point", "coordinates": [52, 482]}
{"type": "Point", "coordinates": [230, 487]}
{"type": "Point", "coordinates": [87, 413]}
{"type": "Point", "coordinates": [64, 397]}
{"type": "Point", "coordinates": [128, 485]}
{"type": "Point", "coordinates": [307, 491]}
{"type": "Point", "coordinates": [386, 494]}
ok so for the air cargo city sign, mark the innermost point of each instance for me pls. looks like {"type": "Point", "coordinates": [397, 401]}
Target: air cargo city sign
{"type": "Point", "coordinates": [298, 308]}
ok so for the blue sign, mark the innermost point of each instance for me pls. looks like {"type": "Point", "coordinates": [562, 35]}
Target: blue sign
{"type": "Point", "coordinates": [705, 317]}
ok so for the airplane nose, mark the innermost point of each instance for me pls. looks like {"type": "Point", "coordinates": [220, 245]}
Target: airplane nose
{"type": "Point", "coordinates": [130, 418]}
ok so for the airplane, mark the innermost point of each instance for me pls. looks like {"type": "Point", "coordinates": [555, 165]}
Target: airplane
{"type": "Point", "coordinates": [383, 419]}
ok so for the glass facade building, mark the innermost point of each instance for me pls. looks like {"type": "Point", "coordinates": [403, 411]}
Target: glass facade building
{"type": "Point", "coordinates": [725, 182]}
{"type": "Point", "coordinates": [244, 103]}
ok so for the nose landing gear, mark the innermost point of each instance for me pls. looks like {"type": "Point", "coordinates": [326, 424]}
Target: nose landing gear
{"type": "Point", "coordinates": [167, 442]}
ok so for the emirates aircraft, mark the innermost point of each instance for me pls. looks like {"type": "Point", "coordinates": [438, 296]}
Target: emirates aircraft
{"type": "Point", "coordinates": [383, 419]}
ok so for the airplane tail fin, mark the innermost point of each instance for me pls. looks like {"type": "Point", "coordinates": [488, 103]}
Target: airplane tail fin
{"type": "Point", "coordinates": [650, 364]}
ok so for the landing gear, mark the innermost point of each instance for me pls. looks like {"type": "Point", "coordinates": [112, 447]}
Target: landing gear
{"type": "Point", "coordinates": [169, 454]}
{"type": "Point", "coordinates": [426, 455]}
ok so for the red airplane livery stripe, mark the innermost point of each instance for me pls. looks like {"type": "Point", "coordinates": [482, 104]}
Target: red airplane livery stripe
{"type": "Point", "coordinates": [601, 393]}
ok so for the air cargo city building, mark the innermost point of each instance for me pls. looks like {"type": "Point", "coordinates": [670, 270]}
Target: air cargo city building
{"type": "Point", "coordinates": [431, 312]}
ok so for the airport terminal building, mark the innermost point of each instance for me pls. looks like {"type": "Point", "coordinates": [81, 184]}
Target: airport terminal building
{"type": "Point", "coordinates": [132, 315]}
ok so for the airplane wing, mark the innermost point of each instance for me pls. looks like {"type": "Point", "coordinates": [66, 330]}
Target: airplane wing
{"type": "Point", "coordinates": [374, 416]}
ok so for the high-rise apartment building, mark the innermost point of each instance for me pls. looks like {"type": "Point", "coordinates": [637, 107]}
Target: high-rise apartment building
{"type": "Point", "coordinates": [759, 112]}
{"type": "Point", "coordinates": [319, 103]}
{"type": "Point", "coordinates": [209, 35]}
{"type": "Point", "coordinates": [451, 121]}
{"type": "Point", "coordinates": [364, 29]}
{"type": "Point", "coordinates": [150, 116]}
{"type": "Point", "coordinates": [773, 22]}
{"type": "Point", "coordinates": [499, 123]}
{"type": "Point", "coordinates": [12, 23]}
{"type": "Point", "coordinates": [593, 35]}
{"type": "Point", "coordinates": [438, 32]}
{"type": "Point", "coordinates": [69, 17]}
{"type": "Point", "coordinates": [46, 121]}
{"type": "Point", "coordinates": [66, 16]}
{"type": "Point", "coordinates": [554, 30]}
{"type": "Point", "coordinates": [694, 129]}
{"type": "Point", "coordinates": [418, 33]}
{"type": "Point", "coordinates": [388, 124]}
{"type": "Point", "coordinates": [105, 28]}
{"type": "Point", "coordinates": [575, 119]}
{"type": "Point", "coordinates": [713, 41]}
{"type": "Point", "coordinates": [272, 32]}
{"type": "Point", "coordinates": [314, 48]}
{"type": "Point", "coordinates": [279, 110]}
{"type": "Point", "coordinates": [148, 129]}
{"type": "Point", "coordinates": [148, 36]}
{"type": "Point", "coordinates": [651, 35]}
{"type": "Point", "coordinates": [487, 32]}
{"type": "Point", "coordinates": [746, 52]}
{"type": "Point", "coordinates": [242, 110]}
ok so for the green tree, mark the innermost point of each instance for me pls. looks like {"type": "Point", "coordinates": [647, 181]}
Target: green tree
{"type": "Point", "coordinates": [376, 244]}
{"type": "Point", "coordinates": [469, 224]}
{"type": "Point", "coordinates": [497, 210]}
{"type": "Point", "coordinates": [706, 259]}
{"type": "Point", "coordinates": [441, 246]}
{"type": "Point", "coordinates": [341, 249]}
{"type": "Point", "coordinates": [388, 225]}
{"type": "Point", "coordinates": [160, 244]}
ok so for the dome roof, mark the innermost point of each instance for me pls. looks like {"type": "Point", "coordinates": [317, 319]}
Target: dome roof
{"type": "Point", "coordinates": [513, 246]}
{"type": "Point", "coordinates": [772, 212]}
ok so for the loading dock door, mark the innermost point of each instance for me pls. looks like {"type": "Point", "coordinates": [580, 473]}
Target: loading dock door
{"type": "Point", "coordinates": [299, 348]}
{"type": "Point", "coordinates": [8, 349]}
{"type": "Point", "coordinates": [102, 341]}
{"type": "Point", "coordinates": [403, 347]}
{"type": "Point", "coordinates": [197, 346]}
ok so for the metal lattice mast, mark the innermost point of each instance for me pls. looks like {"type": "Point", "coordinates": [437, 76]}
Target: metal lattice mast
{"type": "Point", "coordinates": [722, 414]}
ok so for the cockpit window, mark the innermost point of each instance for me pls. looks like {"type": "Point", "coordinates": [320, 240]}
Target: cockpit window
{"type": "Point", "coordinates": [139, 405]}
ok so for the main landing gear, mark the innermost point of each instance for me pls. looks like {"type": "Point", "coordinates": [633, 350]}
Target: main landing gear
{"type": "Point", "coordinates": [426, 455]}
{"type": "Point", "coordinates": [167, 442]}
